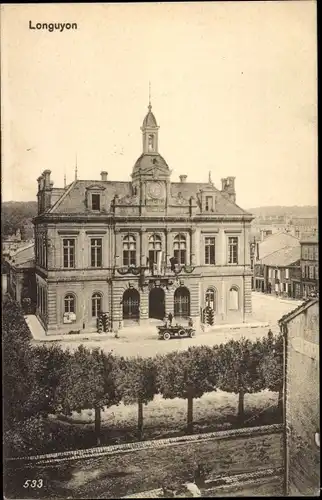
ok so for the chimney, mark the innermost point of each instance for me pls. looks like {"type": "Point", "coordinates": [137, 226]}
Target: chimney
{"type": "Point", "coordinates": [183, 178]}
{"type": "Point", "coordinates": [228, 187]}
{"type": "Point", "coordinates": [46, 176]}
{"type": "Point", "coordinates": [103, 175]}
{"type": "Point", "coordinates": [39, 183]}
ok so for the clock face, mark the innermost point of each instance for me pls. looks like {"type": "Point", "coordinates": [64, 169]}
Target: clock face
{"type": "Point", "coordinates": [155, 189]}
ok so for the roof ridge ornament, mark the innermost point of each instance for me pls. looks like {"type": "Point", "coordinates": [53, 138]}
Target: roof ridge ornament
{"type": "Point", "coordinates": [150, 105]}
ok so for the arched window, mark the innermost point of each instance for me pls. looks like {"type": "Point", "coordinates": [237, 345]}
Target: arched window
{"type": "Point", "coordinates": [180, 248]}
{"type": "Point", "coordinates": [182, 302]}
{"type": "Point", "coordinates": [210, 299]}
{"type": "Point", "coordinates": [96, 304]}
{"type": "Point", "coordinates": [233, 299]}
{"type": "Point", "coordinates": [155, 247]}
{"type": "Point", "coordinates": [129, 250]}
{"type": "Point", "coordinates": [69, 303]}
{"type": "Point", "coordinates": [151, 142]}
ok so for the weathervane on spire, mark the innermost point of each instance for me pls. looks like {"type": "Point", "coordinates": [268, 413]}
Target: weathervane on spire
{"type": "Point", "coordinates": [150, 106]}
{"type": "Point", "coordinates": [209, 177]}
{"type": "Point", "coordinates": [76, 168]}
{"type": "Point", "coordinates": [65, 179]}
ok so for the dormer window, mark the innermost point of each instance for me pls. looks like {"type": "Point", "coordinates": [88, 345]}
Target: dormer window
{"type": "Point", "coordinates": [96, 202]}
{"type": "Point", "coordinates": [95, 197]}
{"type": "Point", "coordinates": [209, 204]}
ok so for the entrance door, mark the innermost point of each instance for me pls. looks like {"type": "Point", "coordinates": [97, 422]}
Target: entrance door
{"type": "Point", "coordinates": [131, 304]}
{"type": "Point", "coordinates": [182, 302]}
{"type": "Point", "coordinates": [156, 303]}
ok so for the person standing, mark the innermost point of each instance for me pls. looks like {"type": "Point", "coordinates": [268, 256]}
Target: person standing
{"type": "Point", "coordinates": [170, 318]}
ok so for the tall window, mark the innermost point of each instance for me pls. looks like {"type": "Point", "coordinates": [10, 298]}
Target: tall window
{"type": "Point", "coordinates": [287, 274]}
{"type": "Point", "coordinates": [69, 252]}
{"type": "Point", "coordinates": [311, 253]}
{"type": "Point", "coordinates": [233, 299]}
{"type": "Point", "coordinates": [69, 303]}
{"type": "Point", "coordinates": [316, 253]}
{"type": "Point", "coordinates": [96, 252]}
{"type": "Point", "coordinates": [211, 298]}
{"type": "Point", "coordinates": [96, 202]}
{"type": "Point", "coordinates": [129, 250]}
{"type": "Point", "coordinates": [155, 246]}
{"type": "Point", "coordinates": [180, 248]}
{"type": "Point", "coordinates": [209, 204]}
{"type": "Point", "coordinates": [96, 304]}
{"type": "Point", "coordinates": [311, 272]}
{"type": "Point", "coordinates": [305, 252]}
{"type": "Point", "coordinates": [233, 250]}
{"type": "Point", "coordinates": [210, 251]}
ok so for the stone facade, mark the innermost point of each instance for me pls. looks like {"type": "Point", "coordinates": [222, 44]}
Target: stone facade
{"type": "Point", "coordinates": [141, 249]}
{"type": "Point", "coordinates": [302, 413]}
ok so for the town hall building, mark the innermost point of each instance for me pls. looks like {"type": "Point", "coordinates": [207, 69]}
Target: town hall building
{"type": "Point", "coordinates": [141, 249]}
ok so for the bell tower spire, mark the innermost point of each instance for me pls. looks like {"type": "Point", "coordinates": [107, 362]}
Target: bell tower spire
{"type": "Point", "coordinates": [150, 130]}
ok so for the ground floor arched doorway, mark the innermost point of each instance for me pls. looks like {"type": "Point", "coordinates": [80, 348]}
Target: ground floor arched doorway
{"type": "Point", "coordinates": [182, 302]}
{"type": "Point", "coordinates": [131, 304]}
{"type": "Point", "coordinates": [157, 303]}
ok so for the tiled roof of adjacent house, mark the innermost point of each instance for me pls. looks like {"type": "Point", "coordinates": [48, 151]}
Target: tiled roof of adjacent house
{"type": "Point", "coordinates": [24, 257]}
{"type": "Point", "coordinates": [298, 310]}
{"type": "Point", "coordinates": [277, 242]}
{"type": "Point", "coordinates": [284, 257]}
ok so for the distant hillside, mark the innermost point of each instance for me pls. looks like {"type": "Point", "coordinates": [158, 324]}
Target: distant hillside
{"type": "Point", "coordinates": [294, 211]}
{"type": "Point", "coordinates": [18, 215]}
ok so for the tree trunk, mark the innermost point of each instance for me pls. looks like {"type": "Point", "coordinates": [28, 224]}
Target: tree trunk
{"type": "Point", "coordinates": [140, 420]}
{"type": "Point", "coordinates": [241, 405]}
{"type": "Point", "coordinates": [190, 414]}
{"type": "Point", "coordinates": [98, 425]}
{"type": "Point", "coordinates": [280, 401]}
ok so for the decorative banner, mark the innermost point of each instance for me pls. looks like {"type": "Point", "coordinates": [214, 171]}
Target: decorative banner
{"type": "Point", "coordinates": [122, 270]}
{"type": "Point", "coordinates": [305, 347]}
{"type": "Point", "coordinates": [188, 269]}
{"type": "Point", "coordinates": [134, 270]}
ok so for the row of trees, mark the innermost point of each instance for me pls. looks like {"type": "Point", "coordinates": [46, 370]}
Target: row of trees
{"type": "Point", "coordinates": [18, 215]}
{"type": "Point", "coordinates": [44, 380]}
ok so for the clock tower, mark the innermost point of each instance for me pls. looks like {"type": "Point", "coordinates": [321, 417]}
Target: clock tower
{"type": "Point", "coordinates": [151, 174]}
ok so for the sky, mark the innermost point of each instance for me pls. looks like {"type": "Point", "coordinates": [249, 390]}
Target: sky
{"type": "Point", "coordinates": [233, 88]}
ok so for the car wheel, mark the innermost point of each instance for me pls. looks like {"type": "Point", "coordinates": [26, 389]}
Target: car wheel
{"type": "Point", "coordinates": [192, 333]}
{"type": "Point", "coordinates": [166, 335]}
{"type": "Point", "coordinates": [182, 333]}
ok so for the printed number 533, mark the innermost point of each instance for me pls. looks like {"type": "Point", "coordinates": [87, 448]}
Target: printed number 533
{"type": "Point", "coordinates": [35, 483]}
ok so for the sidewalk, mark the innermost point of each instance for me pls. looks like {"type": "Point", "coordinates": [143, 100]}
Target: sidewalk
{"type": "Point", "coordinates": [39, 334]}
{"type": "Point", "coordinates": [284, 300]}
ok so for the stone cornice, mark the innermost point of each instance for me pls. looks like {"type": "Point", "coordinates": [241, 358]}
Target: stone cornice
{"type": "Point", "coordinates": [111, 218]}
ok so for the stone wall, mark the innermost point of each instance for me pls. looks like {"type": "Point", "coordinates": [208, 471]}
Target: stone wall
{"type": "Point", "coordinates": [302, 404]}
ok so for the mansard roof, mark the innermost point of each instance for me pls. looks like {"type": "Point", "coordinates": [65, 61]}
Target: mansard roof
{"type": "Point", "coordinates": [73, 200]}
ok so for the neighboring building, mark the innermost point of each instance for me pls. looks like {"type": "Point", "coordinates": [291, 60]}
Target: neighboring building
{"type": "Point", "coordinates": [302, 400]}
{"type": "Point", "coordinates": [21, 279]}
{"type": "Point", "coordinates": [277, 261]}
{"type": "Point", "coordinates": [304, 226]}
{"type": "Point", "coordinates": [310, 264]}
{"type": "Point", "coordinates": [279, 267]}
{"type": "Point", "coordinates": [140, 249]}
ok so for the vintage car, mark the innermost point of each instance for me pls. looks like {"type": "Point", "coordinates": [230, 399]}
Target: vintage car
{"type": "Point", "coordinates": [170, 332]}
